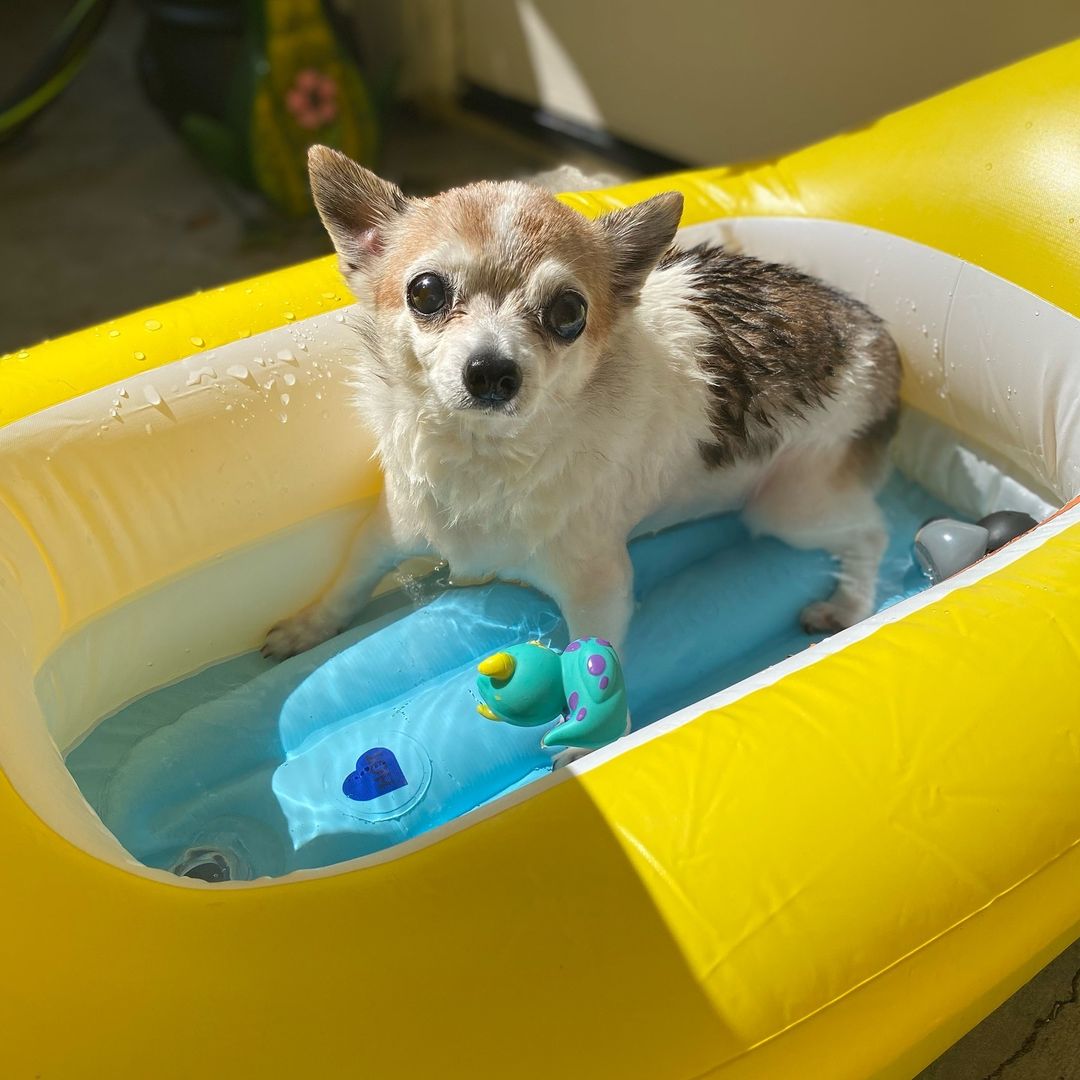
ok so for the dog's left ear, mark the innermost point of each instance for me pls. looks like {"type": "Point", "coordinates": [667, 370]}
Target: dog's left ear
{"type": "Point", "coordinates": [639, 235]}
{"type": "Point", "coordinates": [355, 205]}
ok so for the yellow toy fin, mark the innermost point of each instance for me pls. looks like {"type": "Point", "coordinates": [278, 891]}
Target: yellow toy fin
{"type": "Point", "coordinates": [498, 666]}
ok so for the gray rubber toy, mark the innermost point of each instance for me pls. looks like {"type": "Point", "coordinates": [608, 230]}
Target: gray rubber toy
{"type": "Point", "coordinates": [1006, 525]}
{"type": "Point", "coordinates": [945, 547]}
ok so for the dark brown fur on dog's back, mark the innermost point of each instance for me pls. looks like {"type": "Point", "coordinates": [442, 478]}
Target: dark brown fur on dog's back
{"type": "Point", "coordinates": [778, 341]}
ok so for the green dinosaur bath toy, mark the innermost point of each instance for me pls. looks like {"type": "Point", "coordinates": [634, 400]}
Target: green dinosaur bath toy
{"type": "Point", "coordinates": [530, 685]}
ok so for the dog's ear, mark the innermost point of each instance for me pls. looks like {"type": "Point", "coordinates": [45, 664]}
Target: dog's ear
{"type": "Point", "coordinates": [354, 204]}
{"type": "Point", "coordinates": [639, 235]}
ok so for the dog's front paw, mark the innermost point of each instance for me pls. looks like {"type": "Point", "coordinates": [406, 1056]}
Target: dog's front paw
{"type": "Point", "coordinates": [298, 633]}
{"type": "Point", "coordinates": [829, 616]}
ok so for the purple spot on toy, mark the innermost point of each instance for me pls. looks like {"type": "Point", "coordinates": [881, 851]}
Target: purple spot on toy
{"type": "Point", "coordinates": [573, 646]}
{"type": "Point", "coordinates": [572, 701]}
{"type": "Point", "coordinates": [581, 713]}
{"type": "Point", "coordinates": [596, 664]}
{"type": "Point", "coordinates": [377, 773]}
{"type": "Point", "coordinates": [603, 641]}
{"type": "Point", "coordinates": [604, 683]}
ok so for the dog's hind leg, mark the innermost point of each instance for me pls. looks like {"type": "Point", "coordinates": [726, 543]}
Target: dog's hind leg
{"type": "Point", "coordinates": [859, 553]}
{"type": "Point", "coordinates": [825, 499]}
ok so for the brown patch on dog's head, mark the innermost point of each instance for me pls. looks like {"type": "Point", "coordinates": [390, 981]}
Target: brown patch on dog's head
{"type": "Point", "coordinates": [491, 238]}
{"type": "Point", "coordinates": [502, 231]}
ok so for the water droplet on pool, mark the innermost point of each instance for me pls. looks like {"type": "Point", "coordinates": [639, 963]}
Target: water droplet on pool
{"type": "Point", "coordinates": [151, 395]}
{"type": "Point", "coordinates": [238, 371]}
{"type": "Point", "coordinates": [152, 324]}
{"type": "Point", "coordinates": [318, 395]}
{"type": "Point", "coordinates": [123, 391]}
{"type": "Point", "coordinates": [243, 333]}
{"type": "Point", "coordinates": [148, 429]}
{"type": "Point", "coordinates": [325, 415]}
{"type": "Point", "coordinates": [114, 333]}
{"type": "Point", "coordinates": [197, 342]}
{"type": "Point", "coordinates": [330, 296]}
{"type": "Point", "coordinates": [286, 356]}
{"type": "Point", "coordinates": [283, 417]}
{"type": "Point", "coordinates": [139, 355]}
{"type": "Point", "coordinates": [924, 330]}
{"type": "Point", "coordinates": [284, 399]}
{"type": "Point", "coordinates": [22, 354]}
{"type": "Point", "coordinates": [289, 378]}
{"type": "Point", "coordinates": [288, 315]}
{"type": "Point", "coordinates": [339, 318]}
{"type": "Point", "coordinates": [197, 376]}
{"type": "Point", "coordinates": [989, 166]}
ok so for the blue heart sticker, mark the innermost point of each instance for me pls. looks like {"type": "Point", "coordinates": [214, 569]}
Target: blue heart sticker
{"type": "Point", "coordinates": [377, 773]}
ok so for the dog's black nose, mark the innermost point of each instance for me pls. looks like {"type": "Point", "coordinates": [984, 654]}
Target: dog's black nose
{"type": "Point", "coordinates": [491, 377]}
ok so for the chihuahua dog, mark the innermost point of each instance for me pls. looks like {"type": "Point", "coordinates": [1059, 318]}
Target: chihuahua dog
{"type": "Point", "coordinates": [541, 384]}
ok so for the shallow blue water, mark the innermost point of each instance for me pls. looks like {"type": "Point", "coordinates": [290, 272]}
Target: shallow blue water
{"type": "Point", "coordinates": [248, 759]}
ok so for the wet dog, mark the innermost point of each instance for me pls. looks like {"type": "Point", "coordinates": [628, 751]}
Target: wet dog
{"type": "Point", "coordinates": [540, 384]}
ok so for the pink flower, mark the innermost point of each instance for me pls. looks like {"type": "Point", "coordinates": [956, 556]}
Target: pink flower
{"type": "Point", "coordinates": [312, 99]}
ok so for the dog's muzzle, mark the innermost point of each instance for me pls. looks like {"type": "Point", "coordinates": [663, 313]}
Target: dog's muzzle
{"type": "Point", "coordinates": [491, 378]}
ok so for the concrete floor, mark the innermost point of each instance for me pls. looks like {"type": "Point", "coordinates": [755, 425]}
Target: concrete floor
{"type": "Point", "coordinates": [1035, 1035]}
{"type": "Point", "coordinates": [103, 211]}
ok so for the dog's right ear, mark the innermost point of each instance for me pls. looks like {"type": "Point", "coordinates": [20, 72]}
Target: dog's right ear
{"type": "Point", "coordinates": [354, 204]}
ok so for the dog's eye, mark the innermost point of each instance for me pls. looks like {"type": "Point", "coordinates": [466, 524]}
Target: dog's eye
{"type": "Point", "coordinates": [565, 315]}
{"type": "Point", "coordinates": [427, 294]}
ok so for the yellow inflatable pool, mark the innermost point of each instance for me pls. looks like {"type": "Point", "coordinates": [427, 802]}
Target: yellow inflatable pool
{"type": "Point", "coordinates": [869, 846]}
